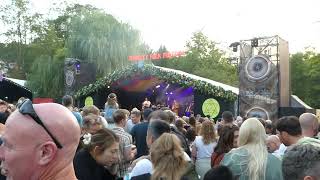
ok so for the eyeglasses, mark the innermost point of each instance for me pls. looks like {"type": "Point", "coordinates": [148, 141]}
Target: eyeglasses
{"type": "Point", "coordinates": [26, 108]}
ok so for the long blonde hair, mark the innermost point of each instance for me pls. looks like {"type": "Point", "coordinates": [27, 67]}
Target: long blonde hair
{"type": "Point", "coordinates": [252, 137]}
{"type": "Point", "coordinates": [167, 158]}
{"type": "Point", "coordinates": [207, 132]}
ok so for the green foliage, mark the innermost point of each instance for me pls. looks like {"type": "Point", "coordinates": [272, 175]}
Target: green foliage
{"type": "Point", "coordinates": [47, 77]}
{"type": "Point", "coordinates": [305, 77]}
{"type": "Point", "coordinates": [98, 37]}
{"type": "Point", "coordinates": [167, 76]}
{"type": "Point", "coordinates": [47, 44]}
{"type": "Point", "coordinates": [40, 45]}
{"type": "Point", "coordinates": [8, 51]}
{"type": "Point", "coordinates": [204, 59]}
{"type": "Point", "coordinates": [20, 23]}
{"type": "Point", "coordinates": [161, 62]}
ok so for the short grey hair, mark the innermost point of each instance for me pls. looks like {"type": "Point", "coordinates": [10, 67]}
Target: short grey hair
{"type": "Point", "coordinates": [300, 161]}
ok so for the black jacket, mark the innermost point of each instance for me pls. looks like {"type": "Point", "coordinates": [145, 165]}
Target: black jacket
{"type": "Point", "coordinates": [183, 140]}
{"type": "Point", "coordinates": [86, 168]}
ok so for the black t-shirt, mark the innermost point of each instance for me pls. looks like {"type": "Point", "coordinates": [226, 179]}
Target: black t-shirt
{"type": "Point", "coordinates": [80, 145]}
{"type": "Point", "coordinates": [182, 138]}
{"type": "Point", "coordinates": [139, 134]}
{"type": "Point", "coordinates": [86, 168]}
{"type": "Point", "coordinates": [3, 117]}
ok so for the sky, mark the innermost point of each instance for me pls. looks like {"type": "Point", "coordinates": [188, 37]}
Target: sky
{"type": "Point", "coordinates": [172, 22]}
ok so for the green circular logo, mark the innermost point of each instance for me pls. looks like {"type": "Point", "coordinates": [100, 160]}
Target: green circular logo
{"type": "Point", "coordinates": [88, 101]}
{"type": "Point", "coordinates": [211, 107]}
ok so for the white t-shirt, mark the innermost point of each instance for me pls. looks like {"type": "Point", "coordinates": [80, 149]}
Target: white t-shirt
{"type": "Point", "coordinates": [144, 166]}
{"type": "Point", "coordinates": [203, 150]}
{"type": "Point", "coordinates": [104, 122]}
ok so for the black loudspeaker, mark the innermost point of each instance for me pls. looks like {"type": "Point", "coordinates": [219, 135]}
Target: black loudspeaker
{"type": "Point", "coordinates": [78, 74]}
{"type": "Point", "coordinates": [258, 89]}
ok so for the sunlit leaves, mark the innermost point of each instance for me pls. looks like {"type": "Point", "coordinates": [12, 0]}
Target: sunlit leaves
{"type": "Point", "coordinates": [98, 37]}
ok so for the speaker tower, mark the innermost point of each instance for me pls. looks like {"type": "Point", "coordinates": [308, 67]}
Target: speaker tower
{"type": "Point", "coordinates": [263, 87]}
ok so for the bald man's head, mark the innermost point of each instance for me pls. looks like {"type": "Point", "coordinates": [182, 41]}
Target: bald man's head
{"type": "Point", "coordinates": [309, 124]}
{"type": "Point", "coordinates": [61, 122]}
{"type": "Point", "coordinates": [28, 149]}
{"type": "Point", "coordinates": [273, 143]}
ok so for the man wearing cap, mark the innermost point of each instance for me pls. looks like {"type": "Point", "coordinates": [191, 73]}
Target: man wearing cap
{"type": "Point", "coordinates": [39, 142]}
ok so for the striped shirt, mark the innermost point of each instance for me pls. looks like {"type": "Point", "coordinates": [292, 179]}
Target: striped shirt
{"type": "Point", "coordinates": [125, 146]}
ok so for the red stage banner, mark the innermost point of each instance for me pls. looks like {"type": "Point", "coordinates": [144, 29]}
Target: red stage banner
{"type": "Point", "coordinates": [42, 100]}
{"type": "Point", "coordinates": [156, 56]}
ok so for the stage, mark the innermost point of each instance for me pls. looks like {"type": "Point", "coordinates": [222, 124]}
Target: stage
{"type": "Point", "coordinates": [162, 86]}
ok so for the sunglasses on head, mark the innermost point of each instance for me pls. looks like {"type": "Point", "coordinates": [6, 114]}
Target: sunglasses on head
{"type": "Point", "coordinates": [26, 108]}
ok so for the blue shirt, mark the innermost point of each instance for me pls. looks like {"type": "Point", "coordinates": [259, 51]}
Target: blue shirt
{"type": "Point", "coordinates": [108, 111]}
{"type": "Point", "coordinates": [78, 117]}
{"type": "Point", "coordinates": [129, 126]}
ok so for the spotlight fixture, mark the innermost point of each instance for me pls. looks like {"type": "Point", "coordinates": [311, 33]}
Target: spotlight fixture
{"type": "Point", "coordinates": [158, 86]}
{"type": "Point", "coordinates": [234, 46]}
{"type": "Point", "coordinates": [255, 42]}
{"type": "Point", "coordinates": [77, 67]}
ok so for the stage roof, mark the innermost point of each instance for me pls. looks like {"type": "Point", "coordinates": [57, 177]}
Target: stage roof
{"type": "Point", "coordinates": [200, 84]}
{"type": "Point", "coordinates": [17, 81]}
{"type": "Point", "coordinates": [12, 89]}
{"type": "Point", "coordinates": [215, 83]}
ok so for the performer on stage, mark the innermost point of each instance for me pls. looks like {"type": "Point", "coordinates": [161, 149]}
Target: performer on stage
{"type": "Point", "coordinates": [189, 109]}
{"type": "Point", "coordinates": [146, 104]}
{"type": "Point", "coordinates": [175, 107]}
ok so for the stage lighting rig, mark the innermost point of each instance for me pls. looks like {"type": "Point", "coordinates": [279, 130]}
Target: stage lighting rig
{"type": "Point", "coordinates": [255, 42]}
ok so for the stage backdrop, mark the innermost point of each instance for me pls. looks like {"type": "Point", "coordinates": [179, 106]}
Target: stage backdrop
{"type": "Point", "coordinates": [134, 83]}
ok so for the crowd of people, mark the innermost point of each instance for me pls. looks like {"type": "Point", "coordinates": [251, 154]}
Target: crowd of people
{"type": "Point", "coordinates": [56, 141]}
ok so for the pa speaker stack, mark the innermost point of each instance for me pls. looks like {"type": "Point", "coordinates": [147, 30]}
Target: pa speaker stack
{"type": "Point", "coordinates": [78, 74]}
{"type": "Point", "coordinates": [262, 84]}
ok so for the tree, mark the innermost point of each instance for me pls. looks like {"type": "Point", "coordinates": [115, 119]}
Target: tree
{"type": "Point", "coordinates": [204, 59]}
{"type": "Point", "coordinates": [161, 62]}
{"type": "Point", "coordinates": [20, 23]}
{"type": "Point", "coordinates": [305, 77]}
{"type": "Point", "coordinates": [83, 32]}
{"type": "Point", "coordinates": [8, 51]}
{"type": "Point", "coordinates": [47, 77]}
{"type": "Point", "coordinates": [98, 37]}
{"type": "Point", "coordinates": [298, 74]}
